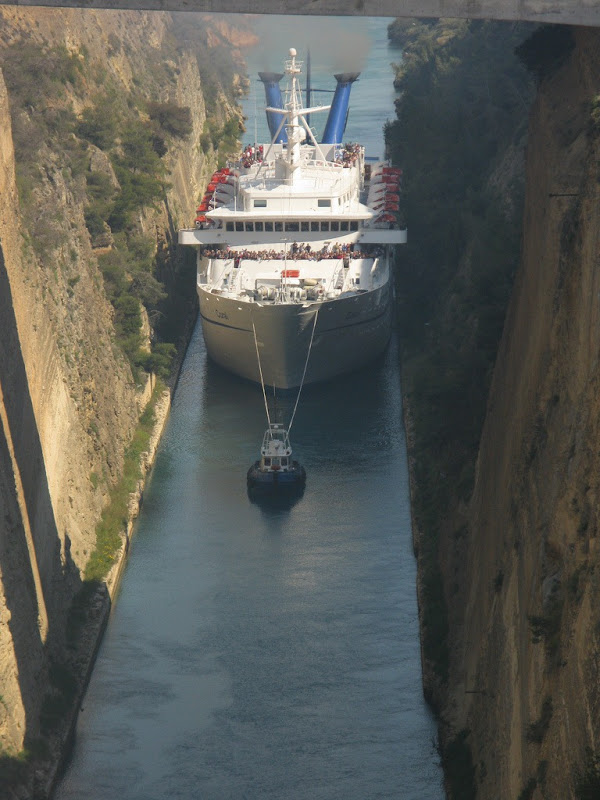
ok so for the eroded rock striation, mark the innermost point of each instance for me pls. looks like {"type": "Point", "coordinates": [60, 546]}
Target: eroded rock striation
{"type": "Point", "coordinates": [70, 399]}
{"type": "Point", "coordinates": [522, 579]}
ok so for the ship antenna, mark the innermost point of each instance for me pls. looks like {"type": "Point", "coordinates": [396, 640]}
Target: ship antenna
{"type": "Point", "coordinates": [255, 116]}
{"type": "Point", "coordinates": [308, 85]}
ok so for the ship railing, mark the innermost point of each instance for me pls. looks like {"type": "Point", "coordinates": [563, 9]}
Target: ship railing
{"type": "Point", "coordinates": [311, 183]}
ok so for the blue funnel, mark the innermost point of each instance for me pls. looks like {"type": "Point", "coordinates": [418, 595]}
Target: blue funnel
{"type": "Point", "coordinates": [274, 99]}
{"type": "Point", "coordinates": [336, 121]}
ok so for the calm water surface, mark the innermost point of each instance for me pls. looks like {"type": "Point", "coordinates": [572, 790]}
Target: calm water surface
{"type": "Point", "coordinates": [261, 652]}
{"type": "Point", "coordinates": [265, 652]}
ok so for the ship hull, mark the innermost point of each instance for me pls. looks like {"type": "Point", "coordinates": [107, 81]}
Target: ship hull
{"type": "Point", "coordinates": [348, 333]}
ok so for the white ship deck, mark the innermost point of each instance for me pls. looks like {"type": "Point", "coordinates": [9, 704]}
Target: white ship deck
{"type": "Point", "coordinates": [273, 280]}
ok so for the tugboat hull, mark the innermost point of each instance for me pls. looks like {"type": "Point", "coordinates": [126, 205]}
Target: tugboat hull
{"type": "Point", "coordinates": [276, 480]}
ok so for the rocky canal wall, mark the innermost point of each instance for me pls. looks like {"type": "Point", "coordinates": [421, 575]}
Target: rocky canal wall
{"type": "Point", "coordinates": [71, 393]}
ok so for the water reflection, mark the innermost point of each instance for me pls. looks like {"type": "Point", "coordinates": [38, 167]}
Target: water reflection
{"type": "Point", "coordinates": [272, 502]}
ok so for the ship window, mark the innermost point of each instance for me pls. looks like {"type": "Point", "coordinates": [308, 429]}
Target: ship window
{"type": "Point", "coordinates": [268, 226]}
{"type": "Point", "coordinates": [260, 204]}
{"type": "Point", "coordinates": [279, 226]}
{"type": "Point", "coordinates": [249, 226]}
{"type": "Point", "coordinates": [267, 462]}
{"type": "Point", "coordinates": [275, 461]}
{"type": "Point", "coordinates": [335, 225]}
{"type": "Point", "coordinates": [304, 226]}
{"type": "Point", "coordinates": [314, 226]}
{"type": "Point", "coordinates": [284, 461]}
{"type": "Point", "coordinates": [239, 226]}
{"type": "Point", "coordinates": [344, 225]}
{"type": "Point", "coordinates": [354, 225]}
{"type": "Point", "coordinates": [324, 203]}
{"type": "Point", "coordinates": [259, 227]}
{"type": "Point", "coordinates": [294, 227]}
{"type": "Point", "coordinates": [324, 226]}
{"type": "Point", "coordinates": [229, 226]}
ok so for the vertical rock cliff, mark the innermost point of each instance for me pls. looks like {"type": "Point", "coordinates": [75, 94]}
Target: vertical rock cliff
{"type": "Point", "coordinates": [69, 397]}
{"type": "Point", "coordinates": [24, 617]}
{"type": "Point", "coordinates": [522, 579]}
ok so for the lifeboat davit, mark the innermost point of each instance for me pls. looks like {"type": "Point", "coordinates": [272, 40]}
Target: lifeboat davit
{"type": "Point", "coordinates": [385, 218]}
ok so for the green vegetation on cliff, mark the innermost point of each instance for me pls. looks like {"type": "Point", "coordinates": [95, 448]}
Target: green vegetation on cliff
{"type": "Point", "coordinates": [99, 135]}
{"type": "Point", "coordinates": [115, 515]}
{"type": "Point", "coordinates": [112, 147]}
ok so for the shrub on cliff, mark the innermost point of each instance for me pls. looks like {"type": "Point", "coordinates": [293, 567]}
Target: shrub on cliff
{"type": "Point", "coordinates": [172, 119]}
{"type": "Point", "coordinates": [546, 49]}
{"type": "Point", "coordinates": [99, 123]}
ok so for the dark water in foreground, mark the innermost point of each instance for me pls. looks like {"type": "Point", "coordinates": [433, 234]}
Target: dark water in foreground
{"type": "Point", "coordinates": [265, 652]}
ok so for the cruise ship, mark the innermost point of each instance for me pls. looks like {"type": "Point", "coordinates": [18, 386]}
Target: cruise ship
{"type": "Point", "coordinates": [295, 242]}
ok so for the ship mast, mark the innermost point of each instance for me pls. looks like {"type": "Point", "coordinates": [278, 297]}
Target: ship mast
{"type": "Point", "coordinates": [295, 132]}
{"type": "Point", "coordinates": [294, 119]}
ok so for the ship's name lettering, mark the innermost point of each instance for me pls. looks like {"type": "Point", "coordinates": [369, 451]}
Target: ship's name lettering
{"type": "Point", "coordinates": [222, 315]}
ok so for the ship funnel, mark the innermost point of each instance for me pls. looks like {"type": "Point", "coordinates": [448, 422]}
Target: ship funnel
{"type": "Point", "coordinates": [338, 113]}
{"type": "Point", "coordinates": [274, 99]}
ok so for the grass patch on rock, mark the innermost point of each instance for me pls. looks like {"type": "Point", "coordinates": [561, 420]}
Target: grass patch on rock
{"type": "Point", "coordinates": [115, 516]}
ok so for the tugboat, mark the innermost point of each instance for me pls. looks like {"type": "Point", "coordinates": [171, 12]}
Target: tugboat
{"type": "Point", "coordinates": [276, 470]}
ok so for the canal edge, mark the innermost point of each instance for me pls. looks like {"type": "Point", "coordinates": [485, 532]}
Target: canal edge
{"type": "Point", "coordinates": [96, 626]}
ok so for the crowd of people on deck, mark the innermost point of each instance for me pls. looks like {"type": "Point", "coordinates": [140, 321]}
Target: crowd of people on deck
{"type": "Point", "coordinates": [297, 252]}
{"type": "Point", "coordinates": [348, 156]}
{"type": "Point", "coordinates": [251, 155]}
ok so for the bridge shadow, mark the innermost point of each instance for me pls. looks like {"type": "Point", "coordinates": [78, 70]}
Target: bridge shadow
{"type": "Point", "coordinates": [38, 574]}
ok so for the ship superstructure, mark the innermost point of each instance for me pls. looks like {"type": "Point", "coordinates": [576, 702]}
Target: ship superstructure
{"type": "Point", "coordinates": [294, 246]}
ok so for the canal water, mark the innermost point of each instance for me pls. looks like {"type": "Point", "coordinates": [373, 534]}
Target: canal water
{"type": "Point", "coordinates": [266, 652]}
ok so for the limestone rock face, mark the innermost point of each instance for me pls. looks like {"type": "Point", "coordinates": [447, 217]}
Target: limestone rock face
{"type": "Point", "coordinates": [68, 401]}
{"type": "Point", "coordinates": [525, 618]}
{"type": "Point", "coordinates": [23, 618]}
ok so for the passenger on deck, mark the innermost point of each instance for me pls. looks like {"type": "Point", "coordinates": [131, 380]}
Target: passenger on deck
{"type": "Point", "coordinates": [304, 252]}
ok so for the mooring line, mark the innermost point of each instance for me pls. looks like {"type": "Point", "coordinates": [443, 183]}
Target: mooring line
{"type": "Point", "coordinates": [312, 336]}
{"type": "Point", "coordinates": [262, 383]}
